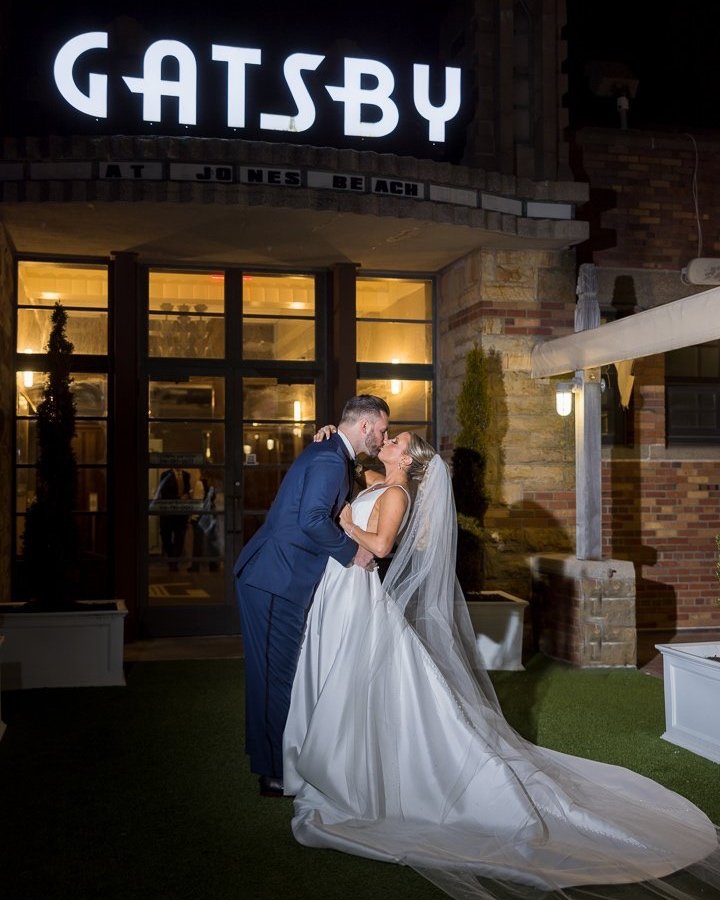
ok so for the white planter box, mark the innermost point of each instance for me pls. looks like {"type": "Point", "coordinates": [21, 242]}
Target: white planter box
{"type": "Point", "coordinates": [692, 697]}
{"type": "Point", "coordinates": [63, 649]}
{"type": "Point", "coordinates": [498, 625]}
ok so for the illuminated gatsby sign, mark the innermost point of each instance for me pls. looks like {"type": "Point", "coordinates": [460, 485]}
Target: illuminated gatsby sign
{"type": "Point", "coordinates": [354, 94]}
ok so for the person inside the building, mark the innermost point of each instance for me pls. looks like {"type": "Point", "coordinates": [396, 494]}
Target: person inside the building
{"type": "Point", "coordinates": [278, 569]}
{"type": "Point", "coordinates": [396, 747]}
{"type": "Point", "coordinates": [176, 485]}
{"type": "Point", "coordinates": [205, 544]}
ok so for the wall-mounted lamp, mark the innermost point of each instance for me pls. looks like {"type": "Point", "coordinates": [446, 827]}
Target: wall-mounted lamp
{"type": "Point", "coordinates": [297, 411]}
{"type": "Point", "coordinates": [564, 391]}
{"type": "Point", "coordinates": [270, 443]}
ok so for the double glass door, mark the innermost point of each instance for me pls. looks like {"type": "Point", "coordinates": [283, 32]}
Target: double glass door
{"type": "Point", "coordinates": [230, 390]}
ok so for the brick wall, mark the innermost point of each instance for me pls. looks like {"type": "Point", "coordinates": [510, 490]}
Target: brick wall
{"type": "Point", "coordinates": [662, 515]}
{"type": "Point", "coordinates": [661, 510]}
{"type": "Point", "coordinates": [641, 196]}
{"type": "Point", "coordinates": [661, 505]}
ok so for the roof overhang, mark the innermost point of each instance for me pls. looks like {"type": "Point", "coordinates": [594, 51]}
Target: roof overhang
{"type": "Point", "coordinates": [681, 323]}
{"type": "Point", "coordinates": [196, 233]}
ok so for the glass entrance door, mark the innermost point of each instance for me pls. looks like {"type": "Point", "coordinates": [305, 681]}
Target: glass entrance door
{"type": "Point", "coordinates": [186, 522]}
{"type": "Point", "coordinates": [185, 579]}
{"type": "Point", "coordinates": [230, 387]}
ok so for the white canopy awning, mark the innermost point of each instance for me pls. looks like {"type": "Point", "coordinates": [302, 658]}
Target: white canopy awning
{"type": "Point", "coordinates": [681, 323]}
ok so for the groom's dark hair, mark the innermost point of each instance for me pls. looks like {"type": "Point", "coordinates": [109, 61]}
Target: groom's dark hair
{"type": "Point", "coordinates": [364, 405]}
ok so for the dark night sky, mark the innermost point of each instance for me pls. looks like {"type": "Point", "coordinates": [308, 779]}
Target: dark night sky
{"type": "Point", "coordinates": [674, 56]}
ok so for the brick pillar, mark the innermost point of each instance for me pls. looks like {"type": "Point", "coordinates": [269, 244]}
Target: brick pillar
{"type": "Point", "coordinates": [583, 611]}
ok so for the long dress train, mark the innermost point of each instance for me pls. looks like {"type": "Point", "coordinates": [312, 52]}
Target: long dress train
{"type": "Point", "coordinates": [396, 754]}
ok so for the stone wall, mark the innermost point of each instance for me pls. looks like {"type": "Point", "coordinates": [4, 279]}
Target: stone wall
{"type": "Point", "coordinates": [504, 300]}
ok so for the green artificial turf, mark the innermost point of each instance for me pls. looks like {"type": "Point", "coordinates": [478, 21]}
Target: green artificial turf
{"type": "Point", "coordinates": [145, 792]}
{"type": "Point", "coordinates": [612, 715]}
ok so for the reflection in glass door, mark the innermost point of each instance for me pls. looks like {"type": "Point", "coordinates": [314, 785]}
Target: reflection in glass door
{"type": "Point", "coordinates": [186, 446]}
{"type": "Point", "coordinates": [278, 423]}
{"type": "Point", "coordinates": [186, 499]}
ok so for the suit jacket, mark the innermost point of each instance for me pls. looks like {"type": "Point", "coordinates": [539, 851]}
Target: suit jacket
{"type": "Point", "coordinates": [168, 487]}
{"type": "Point", "coordinates": [288, 553]}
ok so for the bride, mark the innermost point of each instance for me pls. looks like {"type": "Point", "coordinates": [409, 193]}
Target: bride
{"type": "Point", "coordinates": [396, 748]}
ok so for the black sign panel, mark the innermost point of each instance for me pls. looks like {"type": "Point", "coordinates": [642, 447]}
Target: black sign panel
{"type": "Point", "coordinates": [367, 77]}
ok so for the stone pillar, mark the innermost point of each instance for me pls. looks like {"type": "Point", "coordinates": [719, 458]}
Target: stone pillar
{"type": "Point", "coordinates": [583, 611]}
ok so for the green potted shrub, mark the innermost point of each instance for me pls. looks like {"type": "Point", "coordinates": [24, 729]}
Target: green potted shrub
{"type": "Point", "coordinates": [469, 466]}
{"type": "Point", "coordinates": [52, 639]}
{"type": "Point", "coordinates": [497, 616]}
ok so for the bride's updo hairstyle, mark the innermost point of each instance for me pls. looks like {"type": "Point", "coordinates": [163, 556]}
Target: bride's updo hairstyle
{"type": "Point", "coordinates": [420, 453]}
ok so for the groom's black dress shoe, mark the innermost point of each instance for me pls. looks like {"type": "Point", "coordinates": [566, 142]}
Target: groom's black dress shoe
{"type": "Point", "coordinates": [271, 787]}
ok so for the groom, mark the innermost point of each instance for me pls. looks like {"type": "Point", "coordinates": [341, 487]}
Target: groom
{"type": "Point", "coordinates": [280, 566]}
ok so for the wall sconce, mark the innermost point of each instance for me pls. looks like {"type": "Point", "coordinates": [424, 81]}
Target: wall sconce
{"type": "Point", "coordinates": [395, 383]}
{"type": "Point", "coordinates": [564, 391]}
{"type": "Point", "coordinates": [270, 443]}
{"type": "Point", "coordinates": [297, 411]}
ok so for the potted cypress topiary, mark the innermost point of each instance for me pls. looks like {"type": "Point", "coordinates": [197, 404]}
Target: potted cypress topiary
{"type": "Point", "coordinates": [53, 639]}
{"type": "Point", "coordinates": [497, 616]}
{"type": "Point", "coordinates": [50, 542]}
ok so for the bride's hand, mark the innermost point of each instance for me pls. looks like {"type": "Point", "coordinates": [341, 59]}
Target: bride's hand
{"type": "Point", "coordinates": [322, 433]}
{"type": "Point", "coordinates": [346, 519]}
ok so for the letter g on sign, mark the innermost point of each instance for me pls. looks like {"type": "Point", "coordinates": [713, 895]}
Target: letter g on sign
{"type": "Point", "coordinates": [94, 103]}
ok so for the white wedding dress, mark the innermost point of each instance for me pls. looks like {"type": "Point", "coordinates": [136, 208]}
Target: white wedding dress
{"type": "Point", "coordinates": [396, 751]}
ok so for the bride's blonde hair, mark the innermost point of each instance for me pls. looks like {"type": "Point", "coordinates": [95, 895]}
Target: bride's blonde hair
{"type": "Point", "coordinates": [420, 453]}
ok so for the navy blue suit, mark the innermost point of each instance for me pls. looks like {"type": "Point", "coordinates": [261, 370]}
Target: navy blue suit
{"type": "Point", "coordinates": [276, 574]}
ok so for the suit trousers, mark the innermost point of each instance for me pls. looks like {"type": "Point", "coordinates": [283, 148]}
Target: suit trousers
{"type": "Point", "coordinates": [272, 629]}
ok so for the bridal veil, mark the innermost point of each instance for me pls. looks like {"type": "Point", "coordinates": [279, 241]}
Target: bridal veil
{"type": "Point", "coordinates": [581, 829]}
